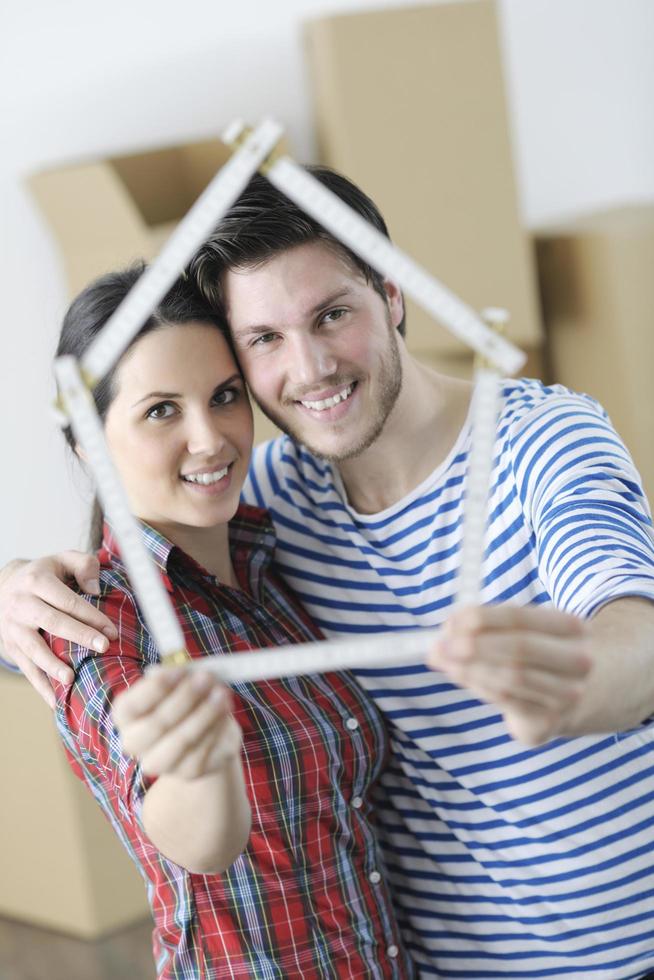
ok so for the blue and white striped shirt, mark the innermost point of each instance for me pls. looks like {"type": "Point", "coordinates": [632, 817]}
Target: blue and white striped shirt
{"type": "Point", "coordinates": [506, 861]}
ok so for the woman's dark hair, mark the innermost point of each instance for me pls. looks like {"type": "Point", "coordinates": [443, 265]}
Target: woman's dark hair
{"type": "Point", "coordinates": [90, 311]}
{"type": "Point", "coordinates": [264, 222]}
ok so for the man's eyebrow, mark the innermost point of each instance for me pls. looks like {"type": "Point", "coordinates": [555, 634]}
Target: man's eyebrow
{"type": "Point", "coordinates": [256, 328]}
{"type": "Point", "coordinates": [163, 395]}
{"type": "Point", "coordinates": [339, 294]}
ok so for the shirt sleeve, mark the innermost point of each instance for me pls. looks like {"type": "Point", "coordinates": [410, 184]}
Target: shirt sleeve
{"type": "Point", "coordinates": [583, 501]}
{"type": "Point", "coordinates": [83, 712]}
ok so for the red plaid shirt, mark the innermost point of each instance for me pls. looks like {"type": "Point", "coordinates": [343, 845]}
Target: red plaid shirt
{"type": "Point", "coordinates": [307, 897]}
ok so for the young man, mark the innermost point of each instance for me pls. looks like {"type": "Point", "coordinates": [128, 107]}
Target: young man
{"type": "Point", "coordinates": [506, 860]}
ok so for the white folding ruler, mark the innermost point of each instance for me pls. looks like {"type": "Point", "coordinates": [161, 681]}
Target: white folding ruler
{"type": "Point", "coordinates": [254, 151]}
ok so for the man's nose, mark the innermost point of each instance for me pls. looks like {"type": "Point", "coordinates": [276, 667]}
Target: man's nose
{"type": "Point", "coordinates": [311, 360]}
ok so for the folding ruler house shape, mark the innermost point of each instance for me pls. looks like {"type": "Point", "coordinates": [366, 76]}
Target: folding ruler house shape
{"type": "Point", "coordinates": [76, 380]}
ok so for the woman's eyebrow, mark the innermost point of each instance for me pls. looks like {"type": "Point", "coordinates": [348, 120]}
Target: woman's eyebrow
{"type": "Point", "coordinates": [157, 394]}
{"type": "Point", "coordinates": [176, 394]}
{"type": "Point", "coordinates": [237, 376]}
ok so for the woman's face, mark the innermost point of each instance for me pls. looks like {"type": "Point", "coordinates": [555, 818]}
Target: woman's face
{"type": "Point", "coordinates": [180, 427]}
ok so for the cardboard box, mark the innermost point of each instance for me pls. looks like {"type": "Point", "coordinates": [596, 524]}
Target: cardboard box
{"type": "Point", "coordinates": [107, 213]}
{"type": "Point", "coordinates": [598, 306]}
{"type": "Point", "coordinates": [410, 104]}
{"type": "Point", "coordinates": [62, 865]}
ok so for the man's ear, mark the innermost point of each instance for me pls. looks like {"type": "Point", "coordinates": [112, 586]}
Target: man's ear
{"type": "Point", "coordinates": [395, 301]}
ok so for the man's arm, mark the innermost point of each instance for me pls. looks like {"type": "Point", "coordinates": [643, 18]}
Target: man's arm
{"type": "Point", "coordinates": [33, 596]}
{"type": "Point", "coordinates": [552, 674]}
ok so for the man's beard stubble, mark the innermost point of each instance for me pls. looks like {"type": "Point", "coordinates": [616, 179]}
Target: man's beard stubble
{"type": "Point", "coordinates": [390, 385]}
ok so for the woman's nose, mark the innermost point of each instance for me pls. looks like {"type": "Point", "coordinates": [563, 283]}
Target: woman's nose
{"type": "Point", "coordinates": [205, 434]}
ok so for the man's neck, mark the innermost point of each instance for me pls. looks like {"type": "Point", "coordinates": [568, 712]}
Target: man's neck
{"type": "Point", "coordinates": [418, 435]}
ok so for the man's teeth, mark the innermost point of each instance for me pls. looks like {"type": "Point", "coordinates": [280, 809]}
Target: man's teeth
{"type": "Point", "coordinates": [206, 478]}
{"type": "Point", "coordinates": [324, 403]}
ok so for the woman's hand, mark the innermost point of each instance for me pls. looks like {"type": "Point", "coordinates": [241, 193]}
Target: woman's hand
{"type": "Point", "coordinates": [177, 722]}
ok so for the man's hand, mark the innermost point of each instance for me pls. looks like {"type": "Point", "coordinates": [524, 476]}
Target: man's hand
{"type": "Point", "coordinates": [33, 597]}
{"type": "Point", "coordinates": [178, 723]}
{"type": "Point", "coordinates": [532, 663]}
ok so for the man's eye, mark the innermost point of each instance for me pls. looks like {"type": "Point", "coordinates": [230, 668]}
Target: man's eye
{"type": "Point", "coordinates": [264, 338]}
{"type": "Point", "coordinates": [331, 316]}
{"type": "Point", "coordinates": [163, 410]}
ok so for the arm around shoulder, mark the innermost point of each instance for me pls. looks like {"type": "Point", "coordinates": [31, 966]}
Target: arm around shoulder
{"type": "Point", "coordinates": [33, 597]}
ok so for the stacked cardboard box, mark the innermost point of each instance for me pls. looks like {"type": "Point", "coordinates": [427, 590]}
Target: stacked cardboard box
{"type": "Point", "coordinates": [62, 865]}
{"type": "Point", "coordinates": [598, 304]}
{"type": "Point", "coordinates": [107, 213]}
{"type": "Point", "coordinates": [410, 104]}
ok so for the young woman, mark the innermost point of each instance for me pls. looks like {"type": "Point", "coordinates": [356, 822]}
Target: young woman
{"type": "Point", "coordinates": [247, 813]}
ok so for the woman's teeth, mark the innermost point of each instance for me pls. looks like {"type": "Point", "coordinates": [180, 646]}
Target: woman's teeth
{"type": "Point", "coordinates": [324, 403]}
{"type": "Point", "coordinates": [206, 478]}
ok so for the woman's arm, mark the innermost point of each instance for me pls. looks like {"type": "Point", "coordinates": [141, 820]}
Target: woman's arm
{"type": "Point", "coordinates": [178, 725]}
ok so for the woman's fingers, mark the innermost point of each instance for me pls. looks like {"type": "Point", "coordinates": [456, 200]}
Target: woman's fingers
{"type": "Point", "coordinates": [165, 716]}
{"type": "Point", "coordinates": [203, 743]}
{"type": "Point", "coordinates": [143, 698]}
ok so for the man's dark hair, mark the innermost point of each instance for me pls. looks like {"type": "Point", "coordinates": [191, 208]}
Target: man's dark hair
{"type": "Point", "coordinates": [263, 222]}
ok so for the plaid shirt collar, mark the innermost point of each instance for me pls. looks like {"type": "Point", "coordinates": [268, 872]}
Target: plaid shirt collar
{"type": "Point", "coordinates": [252, 544]}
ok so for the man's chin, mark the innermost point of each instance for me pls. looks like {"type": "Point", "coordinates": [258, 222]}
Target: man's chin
{"type": "Point", "coordinates": [333, 447]}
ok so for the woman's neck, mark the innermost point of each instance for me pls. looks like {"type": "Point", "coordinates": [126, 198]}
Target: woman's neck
{"type": "Point", "coordinates": [208, 546]}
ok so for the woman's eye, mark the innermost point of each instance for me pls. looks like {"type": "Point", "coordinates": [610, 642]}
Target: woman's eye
{"type": "Point", "coordinates": [225, 397]}
{"type": "Point", "coordinates": [162, 411]}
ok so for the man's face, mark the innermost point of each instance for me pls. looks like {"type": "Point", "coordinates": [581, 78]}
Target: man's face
{"type": "Point", "coordinates": [318, 347]}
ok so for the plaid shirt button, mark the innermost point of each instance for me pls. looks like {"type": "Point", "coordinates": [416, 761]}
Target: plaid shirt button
{"type": "Point", "coordinates": [374, 877]}
{"type": "Point", "coordinates": [357, 802]}
{"type": "Point", "coordinates": [352, 724]}
{"type": "Point", "coordinates": [393, 951]}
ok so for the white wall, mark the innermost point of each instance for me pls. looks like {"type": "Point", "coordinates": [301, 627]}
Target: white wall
{"type": "Point", "coordinates": [580, 83]}
{"type": "Point", "coordinates": [84, 78]}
